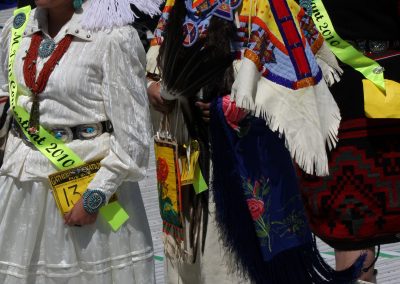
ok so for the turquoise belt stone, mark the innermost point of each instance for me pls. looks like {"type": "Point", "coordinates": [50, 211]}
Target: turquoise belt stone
{"type": "Point", "coordinates": [68, 134]}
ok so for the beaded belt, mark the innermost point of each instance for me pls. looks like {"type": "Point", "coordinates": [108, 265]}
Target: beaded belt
{"type": "Point", "coordinates": [68, 134]}
{"type": "Point", "coordinates": [375, 46]}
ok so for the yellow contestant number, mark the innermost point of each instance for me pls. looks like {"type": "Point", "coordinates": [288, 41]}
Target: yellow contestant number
{"type": "Point", "coordinates": [68, 194]}
{"type": "Point", "coordinates": [69, 185]}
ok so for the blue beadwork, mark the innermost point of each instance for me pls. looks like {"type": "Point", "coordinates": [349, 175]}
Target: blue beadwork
{"type": "Point", "coordinates": [90, 129]}
{"type": "Point", "coordinates": [93, 199]}
{"type": "Point", "coordinates": [19, 20]}
{"type": "Point", "coordinates": [46, 48]}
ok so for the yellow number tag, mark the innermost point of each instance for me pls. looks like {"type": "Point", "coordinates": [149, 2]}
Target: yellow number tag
{"type": "Point", "coordinates": [69, 185]}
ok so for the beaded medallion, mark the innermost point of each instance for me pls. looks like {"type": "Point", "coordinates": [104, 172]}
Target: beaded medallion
{"type": "Point", "coordinates": [46, 47]}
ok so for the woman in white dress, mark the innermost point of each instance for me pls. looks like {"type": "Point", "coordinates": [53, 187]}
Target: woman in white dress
{"type": "Point", "coordinates": [99, 79]}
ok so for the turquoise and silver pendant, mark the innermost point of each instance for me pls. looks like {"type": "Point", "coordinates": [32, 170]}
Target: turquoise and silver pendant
{"type": "Point", "coordinates": [46, 47]}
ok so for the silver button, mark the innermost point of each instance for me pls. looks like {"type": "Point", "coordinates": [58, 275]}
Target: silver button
{"type": "Point", "coordinates": [77, 31]}
{"type": "Point", "coordinates": [88, 36]}
{"type": "Point", "coordinates": [378, 70]}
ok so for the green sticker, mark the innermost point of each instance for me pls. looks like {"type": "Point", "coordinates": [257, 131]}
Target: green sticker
{"type": "Point", "coordinates": [199, 183]}
{"type": "Point", "coordinates": [114, 214]}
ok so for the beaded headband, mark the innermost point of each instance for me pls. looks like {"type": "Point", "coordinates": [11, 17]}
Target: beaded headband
{"type": "Point", "coordinates": [106, 14]}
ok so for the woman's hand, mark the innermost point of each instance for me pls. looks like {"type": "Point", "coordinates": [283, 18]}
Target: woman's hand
{"type": "Point", "coordinates": [155, 99]}
{"type": "Point", "coordinates": [78, 216]}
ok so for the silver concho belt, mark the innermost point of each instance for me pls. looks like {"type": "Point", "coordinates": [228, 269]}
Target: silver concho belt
{"type": "Point", "coordinates": [68, 134]}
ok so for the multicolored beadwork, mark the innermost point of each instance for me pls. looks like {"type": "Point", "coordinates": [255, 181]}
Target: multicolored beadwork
{"type": "Point", "coordinates": [199, 14]}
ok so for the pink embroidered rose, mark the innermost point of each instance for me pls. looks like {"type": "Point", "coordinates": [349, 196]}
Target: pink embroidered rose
{"type": "Point", "coordinates": [256, 207]}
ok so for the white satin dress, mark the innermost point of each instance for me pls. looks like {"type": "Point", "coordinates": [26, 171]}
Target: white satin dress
{"type": "Point", "coordinates": [101, 77]}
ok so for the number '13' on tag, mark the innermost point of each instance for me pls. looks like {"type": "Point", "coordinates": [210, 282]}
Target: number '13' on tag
{"type": "Point", "coordinates": [68, 186]}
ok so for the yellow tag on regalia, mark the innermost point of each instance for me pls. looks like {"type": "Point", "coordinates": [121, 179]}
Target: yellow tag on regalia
{"type": "Point", "coordinates": [68, 186]}
{"type": "Point", "coordinates": [188, 163]}
{"type": "Point", "coordinates": [378, 104]}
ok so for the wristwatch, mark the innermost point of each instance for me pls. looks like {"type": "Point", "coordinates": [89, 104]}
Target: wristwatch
{"type": "Point", "coordinates": [93, 200]}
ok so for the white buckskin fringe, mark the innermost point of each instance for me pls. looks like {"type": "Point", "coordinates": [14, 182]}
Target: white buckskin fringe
{"type": "Point", "coordinates": [244, 88]}
{"type": "Point", "coordinates": [308, 118]}
{"type": "Point", "coordinates": [328, 64]}
{"type": "Point", "coordinates": [175, 250]}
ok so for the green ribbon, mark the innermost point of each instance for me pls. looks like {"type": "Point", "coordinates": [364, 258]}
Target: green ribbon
{"type": "Point", "coordinates": [345, 51]}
